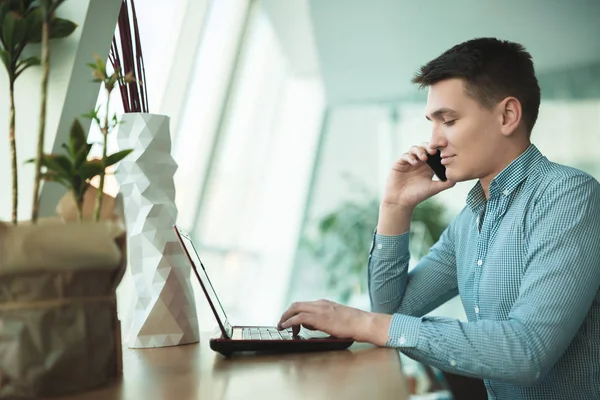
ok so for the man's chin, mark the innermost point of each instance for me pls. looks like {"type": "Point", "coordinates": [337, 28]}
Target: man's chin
{"type": "Point", "coordinates": [456, 176]}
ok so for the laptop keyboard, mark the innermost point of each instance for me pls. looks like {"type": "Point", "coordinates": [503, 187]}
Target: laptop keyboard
{"type": "Point", "coordinates": [266, 333]}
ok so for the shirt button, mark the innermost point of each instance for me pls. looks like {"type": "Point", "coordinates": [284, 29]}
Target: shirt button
{"type": "Point", "coordinates": [453, 363]}
{"type": "Point", "coordinates": [476, 309]}
{"type": "Point", "coordinates": [402, 340]}
{"type": "Point", "coordinates": [479, 262]}
{"type": "Point", "coordinates": [506, 192]}
{"type": "Point", "coordinates": [379, 246]}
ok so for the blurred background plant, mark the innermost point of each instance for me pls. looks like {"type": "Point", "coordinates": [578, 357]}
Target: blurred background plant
{"type": "Point", "coordinates": [25, 22]}
{"type": "Point", "coordinates": [342, 239]}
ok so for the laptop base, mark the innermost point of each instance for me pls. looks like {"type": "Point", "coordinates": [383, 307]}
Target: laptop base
{"type": "Point", "coordinates": [298, 344]}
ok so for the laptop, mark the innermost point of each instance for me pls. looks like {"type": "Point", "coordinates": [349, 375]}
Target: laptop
{"type": "Point", "coordinates": [233, 338]}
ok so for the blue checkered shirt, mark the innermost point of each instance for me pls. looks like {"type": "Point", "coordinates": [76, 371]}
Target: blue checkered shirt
{"type": "Point", "coordinates": [526, 264]}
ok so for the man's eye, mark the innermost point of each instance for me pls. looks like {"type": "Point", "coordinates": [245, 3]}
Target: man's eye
{"type": "Point", "coordinates": [450, 123]}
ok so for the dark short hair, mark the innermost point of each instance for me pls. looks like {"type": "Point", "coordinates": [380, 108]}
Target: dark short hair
{"type": "Point", "coordinates": [492, 70]}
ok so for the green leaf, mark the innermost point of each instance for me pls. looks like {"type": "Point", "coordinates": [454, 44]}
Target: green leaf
{"type": "Point", "coordinates": [116, 157]}
{"type": "Point", "coordinates": [4, 7]}
{"type": "Point", "coordinates": [45, 5]}
{"type": "Point", "coordinates": [30, 61]}
{"type": "Point", "coordinates": [8, 29]}
{"type": "Point", "coordinates": [20, 29]}
{"type": "Point", "coordinates": [24, 64]}
{"type": "Point", "coordinates": [98, 75]}
{"type": "Point", "coordinates": [100, 64]}
{"type": "Point", "coordinates": [112, 80]}
{"type": "Point", "coordinates": [6, 59]}
{"type": "Point", "coordinates": [59, 163]}
{"type": "Point", "coordinates": [90, 169]}
{"type": "Point", "coordinates": [82, 155]}
{"type": "Point", "coordinates": [55, 177]}
{"type": "Point", "coordinates": [78, 147]}
{"type": "Point", "coordinates": [98, 69]}
{"type": "Point", "coordinates": [128, 78]}
{"type": "Point", "coordinates": [77, 138]}
{"type": "Point", "coordinates": [61, 28]}
{"type": "Point", "coordinates": [93, 115]}
{"type": "Point", "coordinates": [328, 222]}
{"type": "Point", "coordinates": [115, 121]}
{"type": "Point", "coordinates": [79, 186]}
{"type": "Point", "coordinates": [34, 21]}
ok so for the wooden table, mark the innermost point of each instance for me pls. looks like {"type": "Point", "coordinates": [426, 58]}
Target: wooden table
{"type": "Point", "coordinates": [196, 372]}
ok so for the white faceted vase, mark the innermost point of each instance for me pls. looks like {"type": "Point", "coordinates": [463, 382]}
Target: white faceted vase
{"type": "Point", "coordinates": [165, 309]}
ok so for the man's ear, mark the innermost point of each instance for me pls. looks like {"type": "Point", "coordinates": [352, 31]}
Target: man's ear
{"type": "Point", "coordinates": [510, 112]}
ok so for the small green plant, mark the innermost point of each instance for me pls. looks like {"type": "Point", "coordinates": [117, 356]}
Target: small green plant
{"type": "Point", "coordinates": [73, 169]}
{"type": "Point", "coordinates": [106, 125]}
{"type": "Point", "coordinates": [23, 22]}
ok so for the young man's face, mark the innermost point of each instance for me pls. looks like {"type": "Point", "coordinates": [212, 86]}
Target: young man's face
{"type": "Point", "coordinates": [467, 134]}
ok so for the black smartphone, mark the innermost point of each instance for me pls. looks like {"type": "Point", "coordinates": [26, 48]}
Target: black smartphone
{"type": "Point", "coordinates": [435, 162]}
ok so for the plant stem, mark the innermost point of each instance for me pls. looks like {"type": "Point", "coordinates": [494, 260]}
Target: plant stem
{"type": "Point", "coordinates": [104, 130]}
{"type": "Point", "coordinates": [79, 210]}
{"type": "Point", "coordinates": [79, 195]}
{"type": "Point", "coordinates": [42, 126]}
{"type": "Point", "coordinates": [13, 153]}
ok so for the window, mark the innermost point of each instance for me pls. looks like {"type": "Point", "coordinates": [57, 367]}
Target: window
{"type": "Point", "coordinates": [251, 210]}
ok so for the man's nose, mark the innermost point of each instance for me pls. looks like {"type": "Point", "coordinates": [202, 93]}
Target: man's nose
{"type": "Point", "coordinates": [438, 139]}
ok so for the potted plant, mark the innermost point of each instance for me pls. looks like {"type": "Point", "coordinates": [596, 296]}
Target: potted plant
{"type": "Point", "coordinates": [58, 276]}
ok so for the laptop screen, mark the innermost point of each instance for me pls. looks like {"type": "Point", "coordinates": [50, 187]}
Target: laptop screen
{"type": "Point", "coordinates": [205, 282]}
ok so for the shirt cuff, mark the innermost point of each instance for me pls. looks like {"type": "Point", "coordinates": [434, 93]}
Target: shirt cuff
{"type": "Point", "coordinates": [404, 331]}
{"type": "Point", "coordinates": [389, 247]}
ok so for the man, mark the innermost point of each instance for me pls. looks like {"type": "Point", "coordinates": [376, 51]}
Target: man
{"type": "Point", "coordinates": [523, 254]}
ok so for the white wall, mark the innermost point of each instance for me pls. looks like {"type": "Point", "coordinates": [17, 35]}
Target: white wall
{"type": "Point", "coordinates": [369, 50]}
{"type": "Point", "coordinates": [70, 93]}
{"type": "Point", "coordinates": [350, 147]}
{"type": "Point", "coordinates": [568, 132]}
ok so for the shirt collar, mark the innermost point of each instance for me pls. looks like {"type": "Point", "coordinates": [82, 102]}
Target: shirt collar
{"type": "Point", "coordinates": [508, 180]}
{"type": "Point", "coordinates": [476, 198]}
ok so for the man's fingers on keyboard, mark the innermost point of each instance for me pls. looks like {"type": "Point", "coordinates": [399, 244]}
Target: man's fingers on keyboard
{"type": "Point", "coordinates": [299, 307]}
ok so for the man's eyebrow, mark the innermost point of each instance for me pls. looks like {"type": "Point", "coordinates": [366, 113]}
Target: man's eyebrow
{"type": "Point", "coordinates": [440, 112]}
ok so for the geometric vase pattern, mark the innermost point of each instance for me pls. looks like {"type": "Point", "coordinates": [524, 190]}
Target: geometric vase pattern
{"type": "Point", "coordinates": [165, 310]}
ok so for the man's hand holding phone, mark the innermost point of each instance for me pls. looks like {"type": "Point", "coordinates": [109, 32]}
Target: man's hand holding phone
{"type": "Point", "coordinates": [409, 183]}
